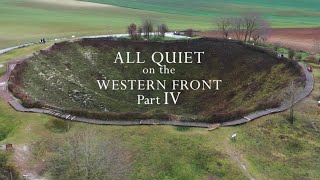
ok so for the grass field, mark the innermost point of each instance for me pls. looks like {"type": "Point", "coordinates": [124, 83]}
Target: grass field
{"type": "Point", "coordinates": [29, 20]}
{"type": "Point", "coordinates": [284, 13]}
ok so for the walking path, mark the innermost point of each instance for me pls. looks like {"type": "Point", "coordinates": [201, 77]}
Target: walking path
{"type": "Point", "coordinates": [7, 96]}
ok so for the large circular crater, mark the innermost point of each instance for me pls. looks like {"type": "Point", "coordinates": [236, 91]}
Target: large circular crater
{"type": "Point", "coordinates": [65, 77]}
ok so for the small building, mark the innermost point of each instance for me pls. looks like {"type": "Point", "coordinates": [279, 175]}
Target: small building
{"type": "Point", "coordinates": [9, 147]}
{"type": "Point", "coordinates": [6, 147]}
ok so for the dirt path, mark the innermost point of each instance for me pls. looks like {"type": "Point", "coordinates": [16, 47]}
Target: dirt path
{"type": "Point", "coordinates": [22, 158]}
{"type": "Point", "coordinates": [236, 157]}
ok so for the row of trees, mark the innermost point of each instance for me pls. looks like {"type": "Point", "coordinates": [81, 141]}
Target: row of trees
{"type": "Point", "coordinates": [146, 29]}
{"type": "Point", "coordinates": [249, 27]}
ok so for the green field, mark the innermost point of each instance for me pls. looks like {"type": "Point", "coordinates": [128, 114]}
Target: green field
{"type": "Point", "coordinates": [281, 13]}
{"type": "Point", "coordinates": [26, 20]}
{"type": "Point", "coordinates": [29, 20]}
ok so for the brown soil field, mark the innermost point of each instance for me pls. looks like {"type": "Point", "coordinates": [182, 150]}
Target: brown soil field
{"type": "Point", "coordinates": [296, 38]}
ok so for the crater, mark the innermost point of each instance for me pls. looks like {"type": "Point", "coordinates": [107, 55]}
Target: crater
{"type": "Point", "coordinates": [65, 77]}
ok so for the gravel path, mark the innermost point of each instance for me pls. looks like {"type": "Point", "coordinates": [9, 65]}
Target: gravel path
{"type": "Point", "coordinates": [7, 96]}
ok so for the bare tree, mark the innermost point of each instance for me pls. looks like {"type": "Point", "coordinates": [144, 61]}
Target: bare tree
{"type": "Point", "coordinates": [86, 155]}
{"type": "Point", "coordinates": [250, 21]}
{"type": "Point", "coordinates": [140, 31]}
{"type": "Point", "coordinates": [224, 26]}
{"type": "Point", "coordinates": [189, 32]}
{"type": "Point", "coordinates": [162, 29]}
{"type": "Point", "coordinates": [132, 30]}
{"type": "Point", "coordinates": [291, 94]}
{"type": "Point", "coordinates": [238, 28]}
{"type": "Point", "coordinates": [262, 32]}
{"type": "Point", "coordinates": [245, 28]}
{"type": "Point", "coordinates": [147, 27]}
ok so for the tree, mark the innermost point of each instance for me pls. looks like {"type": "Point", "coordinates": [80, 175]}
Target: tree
{"type": "Point", "coordinates": [262, 32]}
{"type": "Point", "coordinates": [224, 26]}
{"type": "Point", "coordinates": [132, 31]}
{"type": "Point", "coordinates": [251, 21]}
{"type": "Point", "coordinates": [85, 155]}
{"type": "Point", "coordinates": [147, 28]}
{"type": "Point", "coordinates": [237, 26]}
{"type": "Point", "coordinates": [162, 29]}
{"type": "Point", "coordinates": [246, 27]}
{"type": "Point", "coordinates": [291, 98]}
{"type": "Point", "coordinates": [140, 31]}
{"type": "Point", "coordinates": [189, 32]}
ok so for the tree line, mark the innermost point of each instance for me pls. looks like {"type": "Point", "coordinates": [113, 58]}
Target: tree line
{"type": "Point", "coordinates": [249, 27]}
{"type": "Point", "coordinates": [146, 29]}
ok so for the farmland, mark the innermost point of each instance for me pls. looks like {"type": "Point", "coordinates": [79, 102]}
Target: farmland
{"type": "Point", "coordinates": [282, 14]}
{"type": "Point", "coordinates": [29, 20]}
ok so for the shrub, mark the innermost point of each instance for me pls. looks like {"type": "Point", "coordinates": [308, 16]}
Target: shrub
{"type": "Point", "coordinates": [268, 104]}
{"type": "Point", "coordinates": [58, 125]}
{"type": "Point", "coordinates": [299, 56]}
{"type": "Point", "coordinates": [276, 46]}
{"type": "Point", "coordinates": [227, 116]}
{"type": "Point", "coordinates": [291, 53]}
{"type": "Point", "coordinates": [84, 150]}
{"type": "Point", "coordinates": [312, 59]}
{"type": "Point", "coordinates": [7, 171]}
{"type": "Point", "coordinates": [183, 128]}
{"type": "Point", "coordinates": [118, 116]}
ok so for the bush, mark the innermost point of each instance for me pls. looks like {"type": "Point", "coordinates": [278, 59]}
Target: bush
{"type": "Point", "coordinates": [268, 104]}
{"type": "Point", "coordinates": [291, 53]}
{"type": "Point", "coordinates": [276, 46]}
{"type": "Point", "coordinates": [7, 171]}
{"type": "Point", "coordinates": [312, 59]}
{"type": "Point", "coordinates": [84, 150]}
{"type": "Point", "coordinates": [227, 116]}
{"type": "Point", "coordinates": [299, 56]}
{"type": "Point", "coordinates": [118, 116]}
{"type": "Point", "coordinates": [58, 125]}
